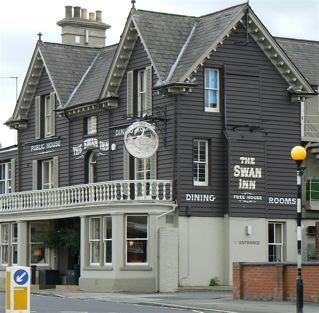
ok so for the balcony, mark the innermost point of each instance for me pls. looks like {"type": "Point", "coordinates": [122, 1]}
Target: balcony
{"type": "Point", "coordinates": [310, 128]}
{"type": "Point", "coordinates": [122, 191]}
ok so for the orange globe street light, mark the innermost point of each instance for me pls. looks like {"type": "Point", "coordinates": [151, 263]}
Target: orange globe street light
{"type": "Point", "coordinates": [298, 154]}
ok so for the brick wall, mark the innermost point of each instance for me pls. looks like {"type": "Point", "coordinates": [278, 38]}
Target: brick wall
{"type": "Point", "coordinates": [268, 281]}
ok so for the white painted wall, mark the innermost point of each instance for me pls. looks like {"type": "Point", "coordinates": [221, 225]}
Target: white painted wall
{"type": "Point", "coordinates": [209, 246]}
{"type": "Point", "coordinates": [201, 250]}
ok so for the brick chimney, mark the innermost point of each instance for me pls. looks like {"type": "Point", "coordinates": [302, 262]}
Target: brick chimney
{"type": "Point", "coordinates": [79, 30]}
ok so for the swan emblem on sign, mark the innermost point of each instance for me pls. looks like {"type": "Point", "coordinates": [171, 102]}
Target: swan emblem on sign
{"type": "Point", "coordinates": [141, 140]}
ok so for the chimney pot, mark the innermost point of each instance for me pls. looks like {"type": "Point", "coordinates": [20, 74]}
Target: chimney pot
{"type": "Point", "coordinates": [91, 16]}
{"type": "Point", "coordinates": [77, 12]}
{"type": "Point", "coordinates": [84, 14]}
{"type": "Point", "coordinates": [98, 16]}
{"type": "Point", "coordinates": [68, 11]}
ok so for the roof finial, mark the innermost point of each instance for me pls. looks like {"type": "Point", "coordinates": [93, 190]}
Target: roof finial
{"type": "Point", "coordinates": [133, 4]}
{"type": "Point", "coordinates": [40, 35]}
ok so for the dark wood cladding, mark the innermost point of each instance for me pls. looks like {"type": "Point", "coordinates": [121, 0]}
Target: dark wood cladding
{"type": "Point", "coordinates": [254, 102]}
{"type": "Point", "coordinates": [162, 106]}
{"type": "Point", "coordinates": [256, 120]}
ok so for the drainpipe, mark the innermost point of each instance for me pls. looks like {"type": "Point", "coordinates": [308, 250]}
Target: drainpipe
{"type": "Point", "coordinates": [156, 243]}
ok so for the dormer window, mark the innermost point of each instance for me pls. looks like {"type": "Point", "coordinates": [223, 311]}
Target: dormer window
{"type": "Point", "coordinates": [212, 96]}
{"type": "Point", "coordinates": [90, 125]}
{"type": "Point", "coordinates": [139, 92]}
{"type": "Point", "coordinates": [45, 116]}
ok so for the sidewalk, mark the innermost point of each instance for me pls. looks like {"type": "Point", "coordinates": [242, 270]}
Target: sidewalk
{"type": "Point", "coordinates": [193, 299]}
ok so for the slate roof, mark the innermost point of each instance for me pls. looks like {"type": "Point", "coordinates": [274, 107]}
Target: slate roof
{"type": "Point", "coordinates": [89, 89]}
{"type": "Point", "coordinates": [166, 34]}
{"type": "Point", "coordinates": [66, 66]}
{"type": "Point", "coordinates": [305, 55]}
{"type": "Point", "coordinates": [207, 31]}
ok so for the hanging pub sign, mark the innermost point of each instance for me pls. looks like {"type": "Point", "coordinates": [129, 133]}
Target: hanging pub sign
{"type": "Point", "coordinates": [141, 140]}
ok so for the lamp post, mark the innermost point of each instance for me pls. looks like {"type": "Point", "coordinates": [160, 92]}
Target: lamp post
{"type": "Point", "coordinates": [298, 154]}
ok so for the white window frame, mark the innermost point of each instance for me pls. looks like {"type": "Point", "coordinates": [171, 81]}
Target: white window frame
{"type": "Point", "coordinates": [4, 243]}
{"type": "Point", "coordinates": [14, 243]}
{"type": "Point", "coordinates": [101, 241]}
{"type": "Point", "coordinates": [92, 168]}
{"type": "Point", "coordinates": [209, 88]}
{"type": "Point", "coordinates": [93, 240]}
{"type": "Point", "coordinates": [107, 240]}
{"type": "Point", "coordinates": [47, 116]}
{"type": "Point", "coordinates": [277, 243]}
{"type": "Point", "coordinates": [47, 169]}
{"type": "Point", "coordinates": [143, 174]}
{"type": "Point", "coordinates": [128, 241]}
{"type": "Point", "coordinates": [6, 176]}
{"type": "Point", "coordinates": [197, 162]}
{"type": "Point", "coordinates": [91, 125]}
{"type": "Point", "coordinates": [141, 93]}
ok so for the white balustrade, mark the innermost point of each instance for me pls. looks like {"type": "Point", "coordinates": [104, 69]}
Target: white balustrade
{"type": "Point", "coordinates": [81, 195]}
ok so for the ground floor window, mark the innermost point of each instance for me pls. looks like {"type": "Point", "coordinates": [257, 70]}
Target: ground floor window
{"type": "Point", "coordinates": [136, 239]}
{"type": "Point", "coordinates": [39, 252]}
{"type": "Point", "coordinates": [100, 240]}
{"type": "Point", "coordinates": [8, 244]}
{"type": "Point", "coordinates": [275, 241]}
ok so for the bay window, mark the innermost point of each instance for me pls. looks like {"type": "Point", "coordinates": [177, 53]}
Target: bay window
{"type": "Point", "coordinates": [136, 239]}
{"type": "Point", "coordinates": [8, 244]}
{"type": "Point", "coordinates": [100, 240]}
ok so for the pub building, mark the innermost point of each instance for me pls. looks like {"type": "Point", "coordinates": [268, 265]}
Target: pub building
{"type": "Point", "coordinates": [159, 161]}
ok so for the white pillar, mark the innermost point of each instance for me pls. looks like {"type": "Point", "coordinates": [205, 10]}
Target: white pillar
{"type": "Point", "coordinates": [23, 243]}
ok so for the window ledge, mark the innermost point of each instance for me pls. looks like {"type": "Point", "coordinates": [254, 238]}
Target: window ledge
{"type": "Point", "coordinates": [136, 268]}
{"type": "Point", "coordinates": [98, 268]}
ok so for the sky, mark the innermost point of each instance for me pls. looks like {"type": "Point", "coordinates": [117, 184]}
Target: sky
{"type": "Point", "coordinates": [21, 21]}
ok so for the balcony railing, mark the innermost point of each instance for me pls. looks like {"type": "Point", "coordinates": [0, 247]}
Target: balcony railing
{"type": "Point", "coordinates": [88, 194]}
{"type": "Point", "coordinates": [311, 127]}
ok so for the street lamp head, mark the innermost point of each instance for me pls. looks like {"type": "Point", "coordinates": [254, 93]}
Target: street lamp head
{"type": "Point", "coordinates": [298, 153]}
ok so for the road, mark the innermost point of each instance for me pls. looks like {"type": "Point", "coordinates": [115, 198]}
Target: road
{"type": "Point", "coordinates": [51, 304]}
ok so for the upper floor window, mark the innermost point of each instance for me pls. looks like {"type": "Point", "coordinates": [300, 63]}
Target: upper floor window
{"type": "Point", "coordinates": [139, 92]}
{"type": "Point", "coordinates": [275, 241]}
{"type": "Point", "coordinates": [6, 175]}
{"type": "Point", "coordinates": [144, 170]}
{"type": "Point", "coordinates": [90, 168]}
{"type": "Point", "coordinates": [45, 173]}
{"type": "Point", "coordinates": [200, 159]}
{"type": "Point", "coordinates": [212, 92]}
{"type": "Point", "coordinates": [45, 116]}
{"type": "Point", "coordinates": [90, 125]}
